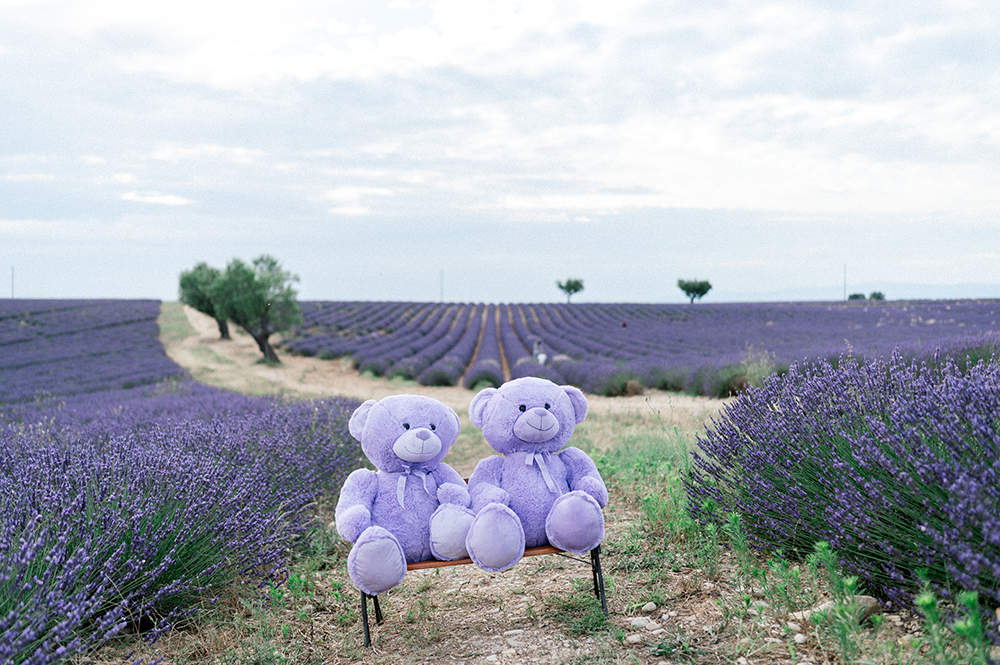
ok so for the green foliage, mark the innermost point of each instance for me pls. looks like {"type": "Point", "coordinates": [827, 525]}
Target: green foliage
{"type": "Point", "coordinates": [260, 299]}
{"type": "Point", "coordinates": [876, 295]}
{"type": "Point", "coordinates": [570, 286]}
{"type": "Point", "coordinates": [856, 296]}
{"type": "Point", "coordinates": [694, 288]}
{"type": "Point", "coordinates": [196, 289]}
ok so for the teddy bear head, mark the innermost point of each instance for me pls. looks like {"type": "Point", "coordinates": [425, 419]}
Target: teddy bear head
{"type": "Point", "coordinates": [405, 431]}
{"type": "Point", "coordinates": [528, 414]}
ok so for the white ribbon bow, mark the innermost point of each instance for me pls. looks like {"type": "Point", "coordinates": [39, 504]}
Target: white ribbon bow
{"type": "Point", "coordinates": [539, 458]}
{"type": "Point", "coordinates": [424, 475]}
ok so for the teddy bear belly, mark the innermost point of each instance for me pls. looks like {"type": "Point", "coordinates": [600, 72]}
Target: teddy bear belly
{"type": "Point", "coordinates": [530, 497]}
{"type": "Point", "coordinates": [410, 525]}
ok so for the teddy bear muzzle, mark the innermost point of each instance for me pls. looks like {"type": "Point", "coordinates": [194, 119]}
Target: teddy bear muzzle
{"type": "Point", "coordinates": [536, 425]}
{"type": "Point", "coordinates": [417, 445]}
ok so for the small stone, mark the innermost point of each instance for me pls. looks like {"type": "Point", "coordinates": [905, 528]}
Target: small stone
{"type": "Point", "coordinates": [707, 586]}
{"type": "Point", "coordinates": [508, 652]}
{"type": "Point", "coordinates": [492, 658]}
{"type": "Point", "coordinates": [772, 640]}
{"type": "Point", "coordinates": [649, 607]}
{"type": "Point", "coordinates": [635, 638]}
{"type": "Point", "coordinates": [894, 618]}
{"type": "Point", "coordinates": [516, 631]}
{"type": "Point", "coordinates": [639, 622]}
{"type": "Point", "coordinates": [516, 643]}
{"type": "Point", "coordinates": [794, 627]}
{"type": "Point", "coordinates": [800, 638]}
{"type": "Point", "coordinates": [659, 631]}
{"type": "Point", "coordinates": [308, 609]}
{"type": "Point", "coordinates": [742, 661]}
{"type": "Point", "coordinates": [450, 592]}
{"type": "Point", "coordinates": [651, 626]}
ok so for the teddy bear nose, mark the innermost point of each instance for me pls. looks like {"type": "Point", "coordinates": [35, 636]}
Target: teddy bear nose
{"type": "Point", "coordinates": [423, 434]}
{"type": "Point", "coordinates": [539, 412]}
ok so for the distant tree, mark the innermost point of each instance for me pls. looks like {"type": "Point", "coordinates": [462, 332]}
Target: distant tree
{"type": "Point", "coordinates": [195, 286]}
{"type": "Point", "coordinates": [259, 299]}
{"type": "Point", "coordinates": [856, 296]}
{"type": "Point", "coordinates": [694, 288]}
{"type": "Point", "coordinates": [877, 295]}
{"type": "Point", "coordinates": [570, 286]}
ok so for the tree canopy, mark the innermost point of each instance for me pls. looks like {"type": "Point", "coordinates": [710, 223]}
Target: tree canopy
{"type": "Point", "coordinates": [195, 287]}
{"type": "Point", "coordinates": [694, 288]}
{"type": "Point", "coordinates": [570, 286]}
{"type": "Point", "coordinates": [260, 299]}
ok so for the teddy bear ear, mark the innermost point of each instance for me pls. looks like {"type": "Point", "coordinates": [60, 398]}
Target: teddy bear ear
{"type": "Point", "coordinates": [579, 402]}
{"type": "Point", "coordinates": [478, 405]}
{"type": "Point", "coordinates": [359, 418]}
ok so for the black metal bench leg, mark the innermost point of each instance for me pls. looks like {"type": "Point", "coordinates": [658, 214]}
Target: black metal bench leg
{"type": "Point", "coordinates": [364, 619]}
{"type": "Point", "coordinates": [595, 567]}
{"type": "Point", "coordinates": [364, 616]}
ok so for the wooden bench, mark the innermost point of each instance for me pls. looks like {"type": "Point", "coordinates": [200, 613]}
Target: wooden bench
{"type": "Point", "coordinates": [595, 569]}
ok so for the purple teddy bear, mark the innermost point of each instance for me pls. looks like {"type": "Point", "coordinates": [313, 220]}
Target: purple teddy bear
{"type": "Point", "coordinates": [535, 493]}
{"type": "Point", "coordinates": [414, 507]}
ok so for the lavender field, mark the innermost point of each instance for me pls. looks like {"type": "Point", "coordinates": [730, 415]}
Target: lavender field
{"type": "Point", "coordinates": [131, 493]}
{"type": "Point", "coordinates": [700, 349]}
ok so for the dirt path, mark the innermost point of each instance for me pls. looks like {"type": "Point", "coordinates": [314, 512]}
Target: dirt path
{"type": "Point", "coordinates": [236, 364]}
{"type": "Point", "coordinates": [456, 615]}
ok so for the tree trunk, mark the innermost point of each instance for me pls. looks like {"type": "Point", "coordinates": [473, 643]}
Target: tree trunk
{"type": "Point", "coordinates": [223, 329]}
{"type": "Point", "coordinates": [266, 348]}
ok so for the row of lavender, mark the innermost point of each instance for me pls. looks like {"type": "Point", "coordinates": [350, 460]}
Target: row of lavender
{"type": "Point", "coordinates": [121, 505]}
{"type": "Point", "coordinates": [700, 349]}
{"type": "Point", "coordinates": [67, 347]}
{"type": "Point", "coordinates": [894, 463]}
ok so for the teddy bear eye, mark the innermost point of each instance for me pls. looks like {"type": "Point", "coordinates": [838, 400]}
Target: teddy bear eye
{"type": "Point", "coordinates": [406, 425]}
{"type": "Point", "coordinates": [433, 428]}
{"type": "Point", "coordinates": [522, 408]}
{"type": "Point", "coordinates": [547, 407]}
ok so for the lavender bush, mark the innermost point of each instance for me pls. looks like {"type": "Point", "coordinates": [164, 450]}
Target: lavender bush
{"type": "Point", "coordinates": [66, 347]}
{"type": "Point", "coordinates": [708, 349]}
{"type": "Point", "coordinates": [895, 463]}
{"type": "Point", "coordinates": [122, 506]}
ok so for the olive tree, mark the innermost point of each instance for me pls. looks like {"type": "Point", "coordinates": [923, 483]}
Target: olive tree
{"type": "Point", "coordinates": [258, 298]}
{"type": "Point", "coordinates": [694, 288]}
{"type": "Point", "coordinates": [195, 287]}
{"type": "Point", "coordinates": [570, 286]}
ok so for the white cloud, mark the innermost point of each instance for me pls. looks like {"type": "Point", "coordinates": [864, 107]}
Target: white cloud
{"type": "Point", "coordinates": [29, 177]}
{"type": "Point", "coordinates": [179, 153]}
{"type": "Point", "coordinates": [352, 211]}
{"type": "Point", "coordinates": [157, 198]}
{"type": "Point", "coordinates": [63, 230]}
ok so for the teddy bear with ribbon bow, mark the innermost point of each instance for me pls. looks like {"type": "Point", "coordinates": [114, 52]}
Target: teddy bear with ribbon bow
{"type": "Point", "coordinates": [413, 507]}
{"type": "Point", "coordinates": [537, 492]}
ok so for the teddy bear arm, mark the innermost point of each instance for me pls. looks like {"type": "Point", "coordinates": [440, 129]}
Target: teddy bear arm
{"type": "Point", "coordinates": [353, 512]}
{"type": "Point", "coordinates": [484, 484]}
{"type": "Point", "coordinates": [582, 474]}
{"type": "Point", "coordinates": [454, 493]}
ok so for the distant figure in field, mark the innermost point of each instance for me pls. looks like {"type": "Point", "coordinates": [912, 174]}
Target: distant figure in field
{"type": "Point", "coordinates": [539, 353]}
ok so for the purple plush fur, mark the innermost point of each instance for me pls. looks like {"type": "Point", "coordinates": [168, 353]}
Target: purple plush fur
{"type": "Point", "coordinates": [534, 494]}
{"type": "Point", "coordinates": [414, 507]}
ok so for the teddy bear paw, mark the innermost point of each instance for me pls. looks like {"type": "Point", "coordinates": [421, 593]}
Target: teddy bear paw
{"type": "Point", "coordinates": [496, 539]}
{"type": "Point", "coordinates": [449, 527]}
{"type": "Point", "coordinates": [376, 562]}
{"type": "Point", "coordinates": [575, 523]}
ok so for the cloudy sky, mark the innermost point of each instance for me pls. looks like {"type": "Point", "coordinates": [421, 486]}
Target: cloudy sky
{"type": "Point", "coordinates": [406, 150]}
